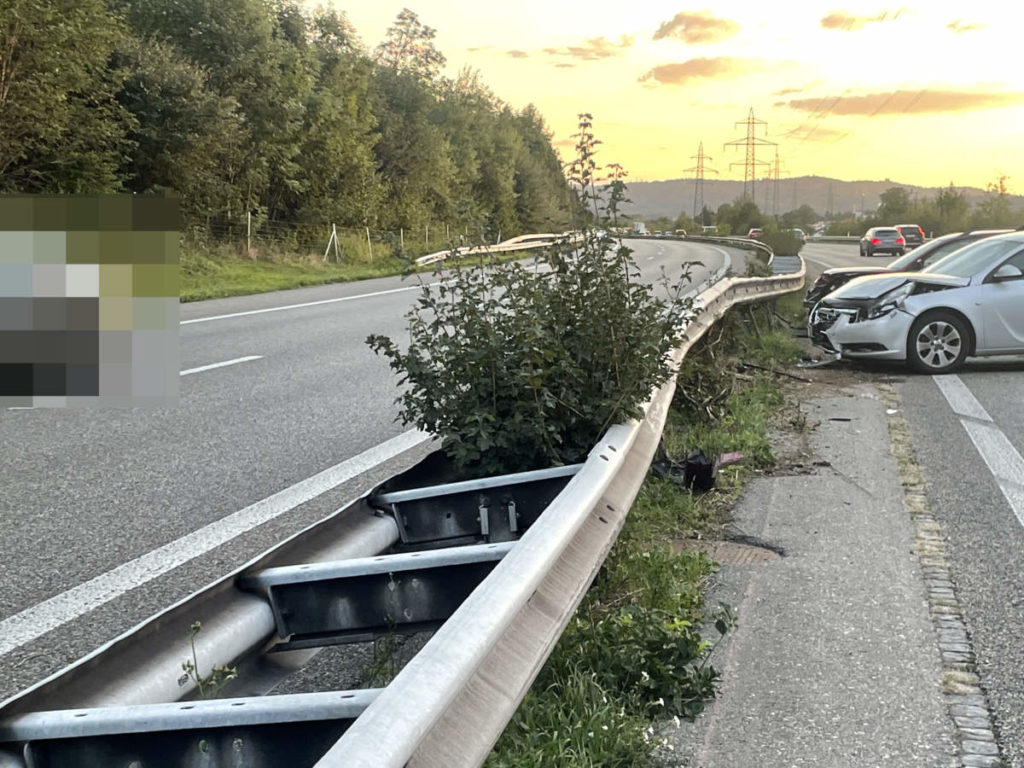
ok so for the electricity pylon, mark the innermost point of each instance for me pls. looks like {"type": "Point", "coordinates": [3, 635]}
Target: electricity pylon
{"type": "Point", "coordinates": [775, 186]}
{"type": "Point", "coordinates": [751, 142]}
{"type": "Point", "coordinates": [699, 170]}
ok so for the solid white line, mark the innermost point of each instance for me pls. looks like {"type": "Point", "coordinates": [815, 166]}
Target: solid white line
{"type": "Point", "coordinates": [1002, 459]}
{"type": "Point", "coordinates": [210, 367]}
{"type": "Point", "coordinates": [299, 306]}
{"type": "Point", "coordinates": [960, 398]}
{"type": "Point", "coordinates": [816, 261]}
{"type": "Point", "coordinates": [48, 615]}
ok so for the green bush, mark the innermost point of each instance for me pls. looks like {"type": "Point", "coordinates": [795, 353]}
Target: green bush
{"type": "Point", "coordinates": [516, 370]}
{"type": "Point", "coordinates": [782, 243]}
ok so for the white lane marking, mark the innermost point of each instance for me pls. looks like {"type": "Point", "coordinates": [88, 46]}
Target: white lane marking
{"type": "Point", "coordinates": [299, 306]}
{"type": "Point", "coordinates": [210, 367]}
{"type": "Point", "coordinates": [31, 623]}
{"type": "Point", "coordinates": [1002, 459]}
{"type": "Point", "coordinates": [960, 398]}
{"type": "Point", "coordinates": [819, 262]}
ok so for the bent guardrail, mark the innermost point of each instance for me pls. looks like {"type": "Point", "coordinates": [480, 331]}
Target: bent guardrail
{"type": "Point", "coordinates": [449, 704]}
{"type": "Point", "coordinates": [455, 696]}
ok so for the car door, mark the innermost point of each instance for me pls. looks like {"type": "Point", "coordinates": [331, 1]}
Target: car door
{"type": "Point", "coordinates": [1002, 309]}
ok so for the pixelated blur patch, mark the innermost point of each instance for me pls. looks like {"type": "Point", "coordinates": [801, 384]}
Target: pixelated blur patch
{"type": "Point", "coordinates": [88, 301]}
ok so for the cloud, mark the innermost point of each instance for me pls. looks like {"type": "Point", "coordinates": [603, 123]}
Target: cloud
{"type": "Point", "coordinates": [681, 72]}
{"type": "Point", "coordinates": [593, 49]}
{"type": "Point", "coordinates": [959, 26]}
{"type": "Point", "coordinates": [912, 102]}
{"type": "Point", "coordinates": [565, 65]}
{"type": "Point", "coordinates": [814, 133]}
{"type": "Point", "coordinates": [517, 54]}
{"type": "Point", "coordinates": [697, 27]}
{"type": "Point", "coordinates": [478, 48]}
{"type": "Point", "coordinates": [850, 23]}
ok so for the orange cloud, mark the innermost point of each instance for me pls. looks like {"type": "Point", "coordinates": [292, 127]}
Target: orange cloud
{"type": "Point", "coordinates": [593, 49]}
{"type": "Point", "coordinates": [959, 26]}
{"type": "Point", "coordinates": [517, 54]}
{"type": "Point", "coordinates": [850, 23]}
{"type": "Point", "coordinates": [696, 28]}
{"type": "Point", "coordinates": [912, 102]}
{"type": "Point", "coordinates": [723, 67]}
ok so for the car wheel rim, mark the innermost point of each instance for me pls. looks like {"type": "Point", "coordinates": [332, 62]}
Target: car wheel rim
{"type": "Point", "coordinates": [938, 344]}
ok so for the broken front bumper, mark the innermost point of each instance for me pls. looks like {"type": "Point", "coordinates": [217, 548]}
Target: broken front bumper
{"type": "Point", "coordinates": [841, 330]}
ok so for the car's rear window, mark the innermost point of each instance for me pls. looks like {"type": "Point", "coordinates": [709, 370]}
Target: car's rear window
{"type": "Point", "coordinates": [886, 232]}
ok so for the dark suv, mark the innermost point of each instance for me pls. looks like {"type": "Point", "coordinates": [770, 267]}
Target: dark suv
{"type": "Point", "coordinates": [913, 235]}
{"type": "Point", "coordinates": [882, 240]}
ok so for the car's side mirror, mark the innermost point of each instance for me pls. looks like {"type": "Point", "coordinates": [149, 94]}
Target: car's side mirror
{"type": "Point", "coordinates": [1007, 272]}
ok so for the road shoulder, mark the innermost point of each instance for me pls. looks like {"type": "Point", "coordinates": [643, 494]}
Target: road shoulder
{"type": "Point", "coordinates": [834, 661]}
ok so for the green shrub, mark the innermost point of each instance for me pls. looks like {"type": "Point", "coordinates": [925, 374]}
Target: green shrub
{"type": "Point", "coordinates": [782, 243]}
{"type": "Point", "coordinates": [516, 370]}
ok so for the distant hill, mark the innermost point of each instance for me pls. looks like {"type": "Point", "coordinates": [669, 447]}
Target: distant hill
{"type": "Point", "coordinates": [668, 198]}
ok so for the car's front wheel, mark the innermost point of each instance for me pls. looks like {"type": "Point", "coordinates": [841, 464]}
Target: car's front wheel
{"type": "Point", "coordinates": [938, 343]}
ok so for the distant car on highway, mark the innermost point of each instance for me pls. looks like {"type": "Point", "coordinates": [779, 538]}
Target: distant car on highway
{"type": "Point", "coordinates": [882, 240]}
{"type": "Point", "coordinates": [797, 232]}
{"type": "Point", "coordinates": [968, 304]}
{"type": "Point", "coordinates": [914, 261]}
{"type": "Point", "coordinates": [913, 235]}
{"type": "Point", "coordinates": [755, 233]}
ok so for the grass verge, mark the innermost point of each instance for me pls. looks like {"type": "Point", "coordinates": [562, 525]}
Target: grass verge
{"type": "Point", "coordinates": [206, 275]}
{"type": "Point", "coordinates": [222, 272]}
{"type": "Point", "coordinates": [633, 653]}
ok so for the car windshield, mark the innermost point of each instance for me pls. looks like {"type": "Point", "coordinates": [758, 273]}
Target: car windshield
{"type": "Point", "coordinates": [931, 252]}
{"type": "Point", "coordinates": [966, 262]}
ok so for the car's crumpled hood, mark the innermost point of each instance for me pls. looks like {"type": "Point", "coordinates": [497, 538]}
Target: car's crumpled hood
{"type": "Point", "coordinates": [873, 286]}
{"type": "Point", "coordinates": [856, 271]}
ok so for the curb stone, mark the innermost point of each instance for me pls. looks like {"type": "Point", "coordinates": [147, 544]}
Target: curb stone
{"type": "Point", "coordinates": [965, 698]}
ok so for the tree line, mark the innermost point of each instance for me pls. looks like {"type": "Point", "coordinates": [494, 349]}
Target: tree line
{"type": "Point", "coordinates": [947, 211]}
{"type": "Point", "coordinates": [265, 107]}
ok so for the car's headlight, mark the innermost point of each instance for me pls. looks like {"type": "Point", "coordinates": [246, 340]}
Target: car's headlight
{"type": "Point", "coordinates": [890, 301]}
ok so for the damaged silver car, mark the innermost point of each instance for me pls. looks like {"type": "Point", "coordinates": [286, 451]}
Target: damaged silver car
{"type": "Point", "coordinates": [968, 304]}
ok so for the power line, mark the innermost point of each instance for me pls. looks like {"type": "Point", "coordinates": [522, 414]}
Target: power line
{"type": "Point", "coordinates": [750, 142]}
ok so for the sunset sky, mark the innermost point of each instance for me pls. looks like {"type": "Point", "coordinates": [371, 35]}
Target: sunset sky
{"type": "Point", "coordinates": [921, 94]}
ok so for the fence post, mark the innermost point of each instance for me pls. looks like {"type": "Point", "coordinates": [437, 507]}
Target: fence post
{"type": "Point", "coordinates": [248, 233]}
{"type": "Point", "coordinates": [401, 237]}
{"type": "Point", "coordinates": [369, 245]}
{"type": "Point", "coordinates": [426, 235]}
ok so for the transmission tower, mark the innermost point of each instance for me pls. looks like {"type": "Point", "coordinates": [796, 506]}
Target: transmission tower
{"type": "Point", "coordinates": [750, 142]}
{"type": "Point", "coordinates": [698, 171]}
{"type": "Point", "coordinates": [775, 185]}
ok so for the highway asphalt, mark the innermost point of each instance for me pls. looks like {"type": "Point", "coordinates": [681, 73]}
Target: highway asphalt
{"type": "Point", "coordinates": [975, 487]}
{"type": "Point", "coordinates": [107, 516]}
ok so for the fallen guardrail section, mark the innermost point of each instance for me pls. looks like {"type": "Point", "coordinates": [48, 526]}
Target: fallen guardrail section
{"type": "Point", "coordinates": [520, 243]}
{"type": "Point", "coordinates": [496, 565]}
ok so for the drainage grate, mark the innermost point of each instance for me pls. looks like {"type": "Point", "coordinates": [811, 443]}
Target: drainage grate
{"type": "Point", "coordinates": [731, 552]}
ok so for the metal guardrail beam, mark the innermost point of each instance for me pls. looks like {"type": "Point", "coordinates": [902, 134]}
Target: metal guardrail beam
{"type": "Point", "coordinates": [236, 626]}
{"type": "Point", "coordinates": [260, 732]}
{"type": "Point", "coordinates": [360, 599]}
{"type": "Point", "coordinates": [455, 696]}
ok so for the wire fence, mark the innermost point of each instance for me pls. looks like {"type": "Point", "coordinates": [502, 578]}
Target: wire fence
{"type": "Point", "coordinates": [260, 237]}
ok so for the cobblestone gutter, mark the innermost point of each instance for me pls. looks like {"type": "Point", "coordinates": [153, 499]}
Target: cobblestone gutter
{"type": "Point", "coordinates": [964, 695]}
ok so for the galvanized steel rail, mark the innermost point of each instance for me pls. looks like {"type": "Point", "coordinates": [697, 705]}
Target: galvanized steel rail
{"type": "Point", "coordinates": [451, 702]}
